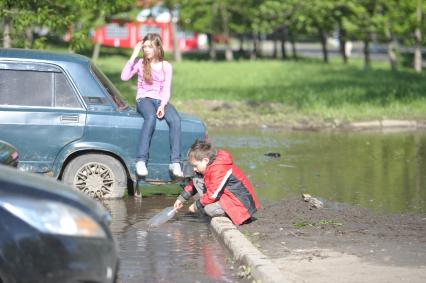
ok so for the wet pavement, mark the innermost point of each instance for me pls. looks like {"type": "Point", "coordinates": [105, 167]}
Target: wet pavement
{"type": "Point", "coordinates": [182, 250]}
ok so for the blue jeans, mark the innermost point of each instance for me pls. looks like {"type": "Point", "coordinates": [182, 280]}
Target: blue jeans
{"type": "Point", "coordinates": [147, 107]}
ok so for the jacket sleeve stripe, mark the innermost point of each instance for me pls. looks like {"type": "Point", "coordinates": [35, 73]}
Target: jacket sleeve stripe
{"type": "Point", "coordinates": [222, 184]}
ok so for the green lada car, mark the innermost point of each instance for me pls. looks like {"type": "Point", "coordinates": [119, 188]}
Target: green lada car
{"type": "Point", "coordinates": [67, 120]}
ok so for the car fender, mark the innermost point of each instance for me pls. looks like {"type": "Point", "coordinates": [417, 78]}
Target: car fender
{"type": "Point", "coordinates": [80, 147]}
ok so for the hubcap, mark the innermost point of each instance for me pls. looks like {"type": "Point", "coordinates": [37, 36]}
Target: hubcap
{"type": "Point", "coordinates": [94, 179]}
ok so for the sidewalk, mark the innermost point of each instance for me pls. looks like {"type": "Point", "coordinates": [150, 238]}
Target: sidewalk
{"type": "Point", "coordinates": [337, 243]}
{"type": "Point", "coordinates": [310, 265]}
{"type": "Point", "coordinates": [262, 268]}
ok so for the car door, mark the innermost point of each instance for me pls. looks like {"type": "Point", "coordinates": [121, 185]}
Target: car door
{"type": "Point", "coordinates": [40, 112]}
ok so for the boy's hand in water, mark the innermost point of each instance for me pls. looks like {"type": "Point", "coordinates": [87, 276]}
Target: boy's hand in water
{"type": "Point", "coordinates": [193, 208]}
{"type": "Point", "coordinates": [178, 204]}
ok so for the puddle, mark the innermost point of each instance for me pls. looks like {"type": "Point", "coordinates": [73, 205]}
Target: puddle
{"type": "Point", "coordinates": [182, 250]}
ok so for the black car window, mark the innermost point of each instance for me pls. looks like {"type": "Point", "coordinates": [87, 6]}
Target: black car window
{"type": "Point", "coordinates": [26, 88]}
{"type": "Point", "coordinates": [64, 94]}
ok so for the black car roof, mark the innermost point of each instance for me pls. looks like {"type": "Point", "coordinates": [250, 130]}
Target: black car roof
{"type": "Point", "coordinates": [41, 55]}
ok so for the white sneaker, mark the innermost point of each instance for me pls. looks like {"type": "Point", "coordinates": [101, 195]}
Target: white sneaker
{"type": "Point", "coordinates": [141, 169]}
{"type": "Point", "coordinates": [176, 170]}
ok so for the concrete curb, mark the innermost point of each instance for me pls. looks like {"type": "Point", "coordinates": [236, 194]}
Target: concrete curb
{"type": "Point", "coordinates": [243, 250]}
{"type": "Point", "coordinates": [384, 124]}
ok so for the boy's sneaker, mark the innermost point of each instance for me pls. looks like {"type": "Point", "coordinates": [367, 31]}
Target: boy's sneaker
{"type": "Point", "coordinates": [176, 170]}
{"type": "Point", "coordinates": [141, 169]}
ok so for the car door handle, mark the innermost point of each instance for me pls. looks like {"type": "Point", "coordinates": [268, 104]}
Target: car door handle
{"type": "Point", "coordinates": [69, 118]}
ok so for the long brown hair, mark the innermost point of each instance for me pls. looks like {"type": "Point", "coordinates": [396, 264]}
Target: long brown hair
{"type": "Point", "coordinates": [158, 53]}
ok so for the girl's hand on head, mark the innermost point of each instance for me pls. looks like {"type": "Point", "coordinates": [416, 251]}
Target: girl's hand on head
{"type": "Point", "coordinates": [160, 112]}
{"type": "Point", "coordinates": [137, 50]}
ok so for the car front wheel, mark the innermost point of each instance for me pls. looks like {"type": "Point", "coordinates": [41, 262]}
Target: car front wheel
{"type": "Point", "coordinates": [98, 175]}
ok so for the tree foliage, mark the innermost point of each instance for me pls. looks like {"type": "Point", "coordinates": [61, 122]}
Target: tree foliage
{"type": "Point", "coordinates": [389, 22]}
{"type": "Point", "coordinates": [22, 18]}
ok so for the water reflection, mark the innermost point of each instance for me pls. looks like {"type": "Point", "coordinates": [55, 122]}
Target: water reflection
{"type": "Point", "coordinates": [182, 250]}
{"type": "Point", "coordinates": [384, 171]}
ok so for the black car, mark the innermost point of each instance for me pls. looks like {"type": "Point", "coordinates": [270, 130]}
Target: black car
{"type": "Point", "coordinates": [52, 233]}
{"type": "Point", "coordinates": [8, 154]}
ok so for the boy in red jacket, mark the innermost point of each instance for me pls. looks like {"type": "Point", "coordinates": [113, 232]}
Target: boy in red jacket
{"type": "Point", "coordinates": [223, 187]}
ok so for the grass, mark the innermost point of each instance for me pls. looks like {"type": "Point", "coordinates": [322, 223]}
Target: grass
{"type": "Point", "coordinates": [273, 91]}
{"type": "Point", "coordinates": [322, 222]}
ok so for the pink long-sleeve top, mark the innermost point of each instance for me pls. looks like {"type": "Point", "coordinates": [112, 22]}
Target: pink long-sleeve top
{"type": "Point", "coordinates": [161, 80]}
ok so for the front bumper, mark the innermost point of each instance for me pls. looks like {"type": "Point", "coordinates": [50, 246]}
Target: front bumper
{"type": "Point", "coordinates": [28, 256]}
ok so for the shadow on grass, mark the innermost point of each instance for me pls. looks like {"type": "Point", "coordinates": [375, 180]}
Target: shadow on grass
{"type": "Point", "coordinates": [331, 85]}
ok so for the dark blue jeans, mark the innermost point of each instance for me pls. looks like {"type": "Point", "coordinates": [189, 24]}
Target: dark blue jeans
{"type": "Point", "coordinates": [147, 107]}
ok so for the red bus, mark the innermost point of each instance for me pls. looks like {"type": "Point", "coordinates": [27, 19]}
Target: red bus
{"type": "Point", "coordinates": [124, 34]}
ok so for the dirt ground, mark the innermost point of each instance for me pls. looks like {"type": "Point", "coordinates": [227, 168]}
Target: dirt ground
{"type": "Point", "coordinates": [340, 243]}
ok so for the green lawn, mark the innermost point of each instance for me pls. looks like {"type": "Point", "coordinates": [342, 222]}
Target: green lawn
{"type": "Point", "coordinates": [288, 91]}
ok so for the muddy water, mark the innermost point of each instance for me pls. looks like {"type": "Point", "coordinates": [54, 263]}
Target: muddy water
{"type": "Point", "coordinates": [182, 250]}
{"type": "Point", "coordinates": [383, 171]}
{"type": "Point", "coordinates": [386, 172]}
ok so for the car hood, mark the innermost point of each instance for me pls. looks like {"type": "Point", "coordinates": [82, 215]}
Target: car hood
{"type": "Point", "coordinates": [37, 184]}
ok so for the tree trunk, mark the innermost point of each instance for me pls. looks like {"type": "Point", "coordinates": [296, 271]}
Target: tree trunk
{"type": "Point", "coordinates": [253, 52]}
{"type": "Point", "coordinates": [225, 21]}
{"type": "Point", "coordinates": [97, 48]}
{"type": "Point", "coordinates": [260, 45]}
{"type": "Point", "coordinates": [392, 55]}
{"type": "Point", "coordinates": [367, 59]}
{"type": "Point", "coordinates": [342, 46]}
{"type": "Point", "coordinates": [229, 55]}
{"type": "Point", "coordinates": [391, 48]}
{"type": "Point", "coordinates": [7, 40]}
{"type": "Point", "coordinates": [283, 43]}
{"type": "Point", "coordinates": [418, 39]}
{"type": "Point", "coordinates": [212, 47]}
{"type": "Point", "coordinates": [29, 37]}
{"type": "Point", "coordinates": [342, 42]}
{"type": "Point", "coordinates": [275, 49]}
{"type": "Point", "coordinates": [293, 46]}
{"type": "Point", "coordinates": [96, 51]}
{"type": "Point", "coordinates": [241, 47]}
{"type": "Point", "coordinates": [323, 39]}
{"type": "Point", "coordinates": [177, 55]}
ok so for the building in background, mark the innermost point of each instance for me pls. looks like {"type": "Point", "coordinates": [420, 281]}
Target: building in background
{"type": "Point", "coordinates": [125, 34]}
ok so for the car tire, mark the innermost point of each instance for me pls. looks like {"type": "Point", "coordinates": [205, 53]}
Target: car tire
{"type": "Point", "coordinates": [98, 175]}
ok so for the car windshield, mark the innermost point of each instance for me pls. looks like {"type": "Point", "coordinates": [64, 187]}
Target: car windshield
{"type": "Point", "coordinates": [110, 88]}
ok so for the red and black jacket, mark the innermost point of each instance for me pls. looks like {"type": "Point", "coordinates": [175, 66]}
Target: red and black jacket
{"type": "Point", "coordinates": [226, 183]}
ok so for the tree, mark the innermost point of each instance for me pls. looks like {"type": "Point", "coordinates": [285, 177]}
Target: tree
{"type": "Point", "coordinates": [243, 23]}
{"type": "Point", "coordinates": [200, 16]}
{"type": "Point", "coordinates": [418, 37]}
{"type": "Point", "coordinates": [283, 17]}
{"type": "Point", "coordinates": [343, 13]}
{"type": "Point", "coordinates": [20, 17]}
{"type": "Point", "coordinates": [404, 24]}
{"type": "Point", "coordinates": [92, 13]}
{"type": "Point", "coordinates": [318, 19]}
{"type": "Point", "coordinates": [172, 6]}
{"type": "Point", "coordinates": [368, 21]}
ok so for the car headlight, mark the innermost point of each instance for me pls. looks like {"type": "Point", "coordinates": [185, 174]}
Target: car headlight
{"type": "Point", "coordinates": [53, 217]}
